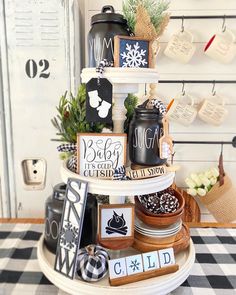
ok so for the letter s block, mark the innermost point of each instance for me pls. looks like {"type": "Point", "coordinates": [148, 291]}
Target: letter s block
{"type": "Point", "coordinates": [117, 268]}
{"type": "Point", "coordinates": [166, 257]}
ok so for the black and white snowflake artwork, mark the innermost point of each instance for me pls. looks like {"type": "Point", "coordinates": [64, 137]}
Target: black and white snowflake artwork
{"type": "Point", "coordinates": [134, 54]}
{"type": "Point", "coordinates": [69, 235]}
{"type": "Point", "coordinates": [134, 265]}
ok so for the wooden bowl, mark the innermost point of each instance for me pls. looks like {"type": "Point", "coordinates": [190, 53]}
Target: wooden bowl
{"type": "Point", "coordinates": [156, 221]}
{"type": "Point", "coordinates": [177, 194]}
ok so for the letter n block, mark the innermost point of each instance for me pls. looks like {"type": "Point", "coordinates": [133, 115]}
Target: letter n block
{"type": "Point", "coordinates": [117, 268]}
{"type": "Point", "coordinates": [166, 257]}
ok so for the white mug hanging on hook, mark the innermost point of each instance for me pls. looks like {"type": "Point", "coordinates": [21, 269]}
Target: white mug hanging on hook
{"type": "Point", "coordinates": [181, 47]}
{"type": "Point", "coordinates": [213, 110]}
{"type": "Point", "coordinates": [221, 46]}
{"type": "Point", "coordinates": [182, 109]}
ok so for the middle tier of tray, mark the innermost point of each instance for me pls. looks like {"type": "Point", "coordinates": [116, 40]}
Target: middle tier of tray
{"type": "Point", "coordinates": [121, 188]}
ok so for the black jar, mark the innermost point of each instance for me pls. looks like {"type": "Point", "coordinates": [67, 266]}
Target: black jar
{"type": "Point", "coordinates": [105, 26]}
{"type": "Point", "coordinates": [144, 133]}
{"type": "Point", "coordinates": [54, 208]}
{"type": "Point", "coordinates": [53, 215]}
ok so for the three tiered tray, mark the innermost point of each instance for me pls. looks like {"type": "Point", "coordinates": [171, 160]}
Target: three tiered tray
{"type": "Point", "coordinates": [124, 81]}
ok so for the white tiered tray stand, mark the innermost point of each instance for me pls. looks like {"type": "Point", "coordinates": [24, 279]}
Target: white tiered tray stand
{"type": "Point", "coordinates": [159, 285]}
{"type": "Point", "coordinates": [124, 80]}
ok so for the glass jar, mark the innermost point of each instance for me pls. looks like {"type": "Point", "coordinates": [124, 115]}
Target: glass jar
{"type": "Point", "coordinates": [144, 133]}
{"type": "Point", "coordinates": [105, 26]}
{"type": "Point", "coordinates": [53, 215]}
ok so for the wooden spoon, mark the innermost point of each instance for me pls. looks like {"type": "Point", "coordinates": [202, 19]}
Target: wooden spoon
{"type": "Point", "coordinates": [165, 139]}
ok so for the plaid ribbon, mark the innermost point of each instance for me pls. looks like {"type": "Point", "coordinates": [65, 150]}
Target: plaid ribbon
{"type": "Point", "coordinates": [155, 103]}
{"type": "Point", "coordinates": [101, 67]}
{"type": "Point", "coordinates": [67, 147]}
{"type": "Point", "coordinates": [120, 174]}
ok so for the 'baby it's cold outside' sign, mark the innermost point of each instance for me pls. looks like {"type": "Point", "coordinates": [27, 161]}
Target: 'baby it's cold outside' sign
{"type": "Point", "coordinates": [99, 154]}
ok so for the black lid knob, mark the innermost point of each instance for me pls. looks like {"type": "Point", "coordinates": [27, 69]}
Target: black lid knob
{"type": "Point", "coordinates": [59, 191]}
{"type": "Point", "coordinates": [108, 15]}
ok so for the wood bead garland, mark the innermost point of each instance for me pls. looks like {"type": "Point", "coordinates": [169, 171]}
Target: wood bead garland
{"type": "Point", "coordinates": [92, 263]}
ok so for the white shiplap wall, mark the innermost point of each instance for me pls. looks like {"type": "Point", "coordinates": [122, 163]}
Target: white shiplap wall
{"type": "Point", "coordinates": [194, 157]}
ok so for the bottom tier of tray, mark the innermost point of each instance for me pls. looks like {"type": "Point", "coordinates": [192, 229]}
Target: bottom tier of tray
{"type": "Point", "coordinates": [159, 285]}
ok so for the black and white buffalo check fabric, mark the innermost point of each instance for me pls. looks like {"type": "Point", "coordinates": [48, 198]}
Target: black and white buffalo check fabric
{"type": "Point", "coordinates": [214, 271]}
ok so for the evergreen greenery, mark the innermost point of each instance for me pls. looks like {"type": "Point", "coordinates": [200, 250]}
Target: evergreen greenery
{"type": "Point", "coordinates": [154, 8]}
{"type": "Point", "coordinates": [71, 117]}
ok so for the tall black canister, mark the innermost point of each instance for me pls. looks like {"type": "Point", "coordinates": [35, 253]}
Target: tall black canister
{"type": "Point", "coordinates": [104, 26]}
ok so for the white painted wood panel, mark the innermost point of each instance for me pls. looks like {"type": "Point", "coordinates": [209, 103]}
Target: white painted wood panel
{"type": "Point", "coordinates": [35, 30]}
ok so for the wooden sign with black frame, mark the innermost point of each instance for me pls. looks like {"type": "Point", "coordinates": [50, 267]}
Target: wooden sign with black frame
{"type": "Point", "coordinates": [116, 225]}
{"type": "Point", "coordinates": [132, 52]}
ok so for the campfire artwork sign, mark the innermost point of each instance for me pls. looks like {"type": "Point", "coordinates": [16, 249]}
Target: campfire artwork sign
{"type": "Point", "coordinates": [99, 154]}
{"type": "Point", "coordinates": [116, 221]}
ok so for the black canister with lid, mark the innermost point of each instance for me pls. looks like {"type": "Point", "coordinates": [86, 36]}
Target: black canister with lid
{"type": "Point", "coordinates": [54, 208]}
{"type": "Point", "coordinates": [53, 214]}
{"type": "Point", "coordinates": [105, 26]}
{"type": "Point", "coordinates": [144, 133]}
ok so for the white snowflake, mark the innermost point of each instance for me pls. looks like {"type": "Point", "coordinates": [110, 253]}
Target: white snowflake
{"type": "Point", "coordinates": [133, 56]}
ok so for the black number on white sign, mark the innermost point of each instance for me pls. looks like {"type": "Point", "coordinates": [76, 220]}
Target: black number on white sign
{"type": "Point", "coordinates": [31, 68]}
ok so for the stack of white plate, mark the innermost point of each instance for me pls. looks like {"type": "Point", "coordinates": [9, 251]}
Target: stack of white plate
{"type": "Point", "coordinates": [149, 231]}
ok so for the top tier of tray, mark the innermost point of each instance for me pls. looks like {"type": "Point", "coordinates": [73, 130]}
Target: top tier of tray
{"type": "Point", "coordinates": [123, 75]}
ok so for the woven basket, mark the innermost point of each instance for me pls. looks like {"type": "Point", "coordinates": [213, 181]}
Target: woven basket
{"type": "Point", "coordinates": [221, 201]}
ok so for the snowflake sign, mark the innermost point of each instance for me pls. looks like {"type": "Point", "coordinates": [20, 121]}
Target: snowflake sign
{"type": "Point", "coordinates": [131, 52]}
{"type": "Point", "coordinates": [134, 57]}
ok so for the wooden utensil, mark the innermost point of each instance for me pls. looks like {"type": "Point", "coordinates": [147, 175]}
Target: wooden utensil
{"type": "Point", "coordinates": [165, 139]}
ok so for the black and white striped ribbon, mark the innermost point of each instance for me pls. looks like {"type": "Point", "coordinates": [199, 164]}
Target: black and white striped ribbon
{"type": "Point", "coordinates": [120, 174]}
{"type": "Point", "coordinates": [72, 164]}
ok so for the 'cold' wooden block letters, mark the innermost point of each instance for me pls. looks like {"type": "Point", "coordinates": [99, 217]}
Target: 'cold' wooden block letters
{"type": "Point", "coordinates": [142, 266]}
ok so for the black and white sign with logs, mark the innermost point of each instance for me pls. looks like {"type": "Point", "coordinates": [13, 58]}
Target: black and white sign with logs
{"type": "Point", "coordinates": [99, 101]}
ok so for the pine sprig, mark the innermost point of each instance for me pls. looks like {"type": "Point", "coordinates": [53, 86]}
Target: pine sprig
{"type": "Point", "coordinates": [155, 9]}
{"type": "Point", "coordinates": [71, 117]}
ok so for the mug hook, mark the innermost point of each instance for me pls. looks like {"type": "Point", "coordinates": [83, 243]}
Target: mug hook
{"type": "Point", "coordinates": [182, 24]}
{"type": "Point", "coordinates": [213, 91]}
{"type": "Point", "coordinates": [223, 24]}
{"type": "Point", "coordinates": [183, 88]}
{"type": "Point", "coordinates": [222, 148]}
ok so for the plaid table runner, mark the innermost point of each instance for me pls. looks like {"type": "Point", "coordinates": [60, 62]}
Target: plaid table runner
{"type": "Point", "coordinates": [214, 271]}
